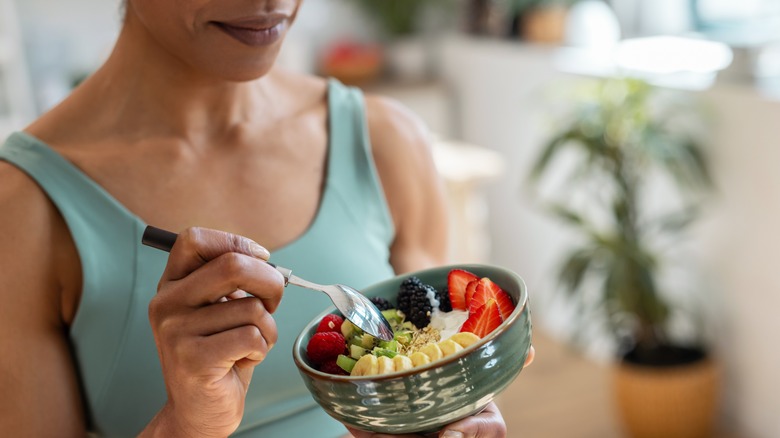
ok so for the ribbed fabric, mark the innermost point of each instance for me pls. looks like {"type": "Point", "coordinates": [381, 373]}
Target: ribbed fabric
{"type": "Point", "coordinates": [347, 242]}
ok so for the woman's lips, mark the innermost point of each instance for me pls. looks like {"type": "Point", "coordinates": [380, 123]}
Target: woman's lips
{"type": "Point", "coordinates": [255, 32]}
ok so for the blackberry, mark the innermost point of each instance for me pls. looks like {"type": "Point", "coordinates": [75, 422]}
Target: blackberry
{"type": "Point", "coordinates": [381, 303]}
{"type": "Point", "coordinates": [445, 305]}
{"type": "Point", "coordinates": [414, 300]}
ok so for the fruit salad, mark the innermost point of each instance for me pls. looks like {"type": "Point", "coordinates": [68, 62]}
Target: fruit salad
{"type": "Point", "coordinates": [428, 325]}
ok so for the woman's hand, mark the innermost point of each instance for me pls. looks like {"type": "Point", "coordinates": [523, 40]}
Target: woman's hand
{"type": "Point", "coordinates": [487, 424]}
{"type": "Point", "coordinates": [209, 334]}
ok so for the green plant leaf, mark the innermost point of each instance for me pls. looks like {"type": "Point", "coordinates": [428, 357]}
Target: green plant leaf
{"type": "Point", "coordinates": [575, 267]}
{"type": "Point", "coordinates": [569, 216]}
{"type": "Point", "coordinates": [674, 222]}
{"type": "Point", "coordinates": [549, 152]}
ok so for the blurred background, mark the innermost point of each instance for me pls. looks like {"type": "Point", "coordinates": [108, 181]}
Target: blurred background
{"type": "Point", "coordinates": [654, 129]}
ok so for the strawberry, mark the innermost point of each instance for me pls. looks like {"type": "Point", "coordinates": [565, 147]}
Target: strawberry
{"type": "Point", "coordinates": [457, 280]}
{"type": "Point", "coordinates": [325, 346]}
{"type": "Point", "coordinates": [480, 297]}
{"type": "Point", "coordinates": [485, 290]}
{"type": "Point", "coordinates": [505, 304]}
{"type": "Point", "coordinates": [330, 323]}
{"type": "Point", "coordinates": [483, 320]}
{"type": "Point", "coordinates": [471, 289]}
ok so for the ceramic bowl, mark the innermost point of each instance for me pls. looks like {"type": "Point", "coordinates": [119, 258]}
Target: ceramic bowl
{"type": "Point", "coordinates": [425, 399]}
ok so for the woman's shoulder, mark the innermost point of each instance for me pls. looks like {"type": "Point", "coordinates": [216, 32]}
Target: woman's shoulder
{"type": "Point", "coordinates": [393, 126]}
{"type": "Point", "coordinates": [28, 217]}
{"type": "Point", "coordinates": [402, 148]}
{"type": "Point", "coordinates": [20, 196]}
{"type": "Point", "coordinates": [27, 211]}
{"type": "Point", "coordinates": [39, 255]}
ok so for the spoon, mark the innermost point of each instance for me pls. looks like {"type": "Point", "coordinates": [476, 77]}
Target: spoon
{"type": "Point", "coordinates": [358, 309]}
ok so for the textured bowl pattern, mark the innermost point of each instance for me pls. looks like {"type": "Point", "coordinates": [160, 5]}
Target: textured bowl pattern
{"type": "Point", "coordinates": [428, 397]}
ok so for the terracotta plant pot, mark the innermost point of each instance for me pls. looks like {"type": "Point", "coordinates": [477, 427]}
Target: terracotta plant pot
{"type": "Point", "coordinates": [545, 25]}
{"type": "Point", "coordinates": [677, 401]}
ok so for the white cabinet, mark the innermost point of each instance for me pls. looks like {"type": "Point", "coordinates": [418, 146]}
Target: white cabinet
{"type": "Point", "coordinates": [16, 102]}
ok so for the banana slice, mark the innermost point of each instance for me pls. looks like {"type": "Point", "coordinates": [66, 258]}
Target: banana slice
{"type": "Point", "coordinates": [449, 347]}
{"type": "Point", "coordinates": [385, 365]}
{"type": "Point", "coordinates": [419, 358]}
{"type": "Point", "coordinates": [403, 363]}
{"type": "Point", "coordinates": [432, 351]}
{"type": "Point", "coordinates": [367, 365]}
{"type": "Point", "coordinates": [465, 338]}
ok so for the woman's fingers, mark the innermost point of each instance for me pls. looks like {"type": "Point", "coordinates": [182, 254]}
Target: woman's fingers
{"type": "Point", "coordinates": [230, 314]}
{"type": "Point", "coordinates": [361, 434]}
{"type": "Point", "coordinates": [241, 343]}
{"type": "Point", "coordinates": [226, 273]}
{"type": "Point", "coordinates": [530, 358]}
{"type": "Point", "coordinates": [195, 247]}
{"type": "Point", "coordinates": [487, 424]}
{"type": "Point", "coordinates": [204, 359]}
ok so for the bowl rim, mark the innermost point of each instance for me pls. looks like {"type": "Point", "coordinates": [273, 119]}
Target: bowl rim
{"type": "Point", "coordinates": [519, 309]}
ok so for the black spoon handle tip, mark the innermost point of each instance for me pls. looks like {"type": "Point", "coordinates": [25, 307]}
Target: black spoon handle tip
{"type": "Point", "coordinates": [158, 238]}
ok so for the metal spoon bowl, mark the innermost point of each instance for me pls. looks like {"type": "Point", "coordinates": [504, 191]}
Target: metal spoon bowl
{"type": "Point", "coordinates": [355, 307]}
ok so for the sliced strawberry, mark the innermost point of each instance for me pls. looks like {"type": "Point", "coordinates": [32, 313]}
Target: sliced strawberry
{"type": "Point", "coordinates": [457, 280]}
{"type": "Point", "coordinates": [481, 295]}
{"type": "Point", "coordinates": [505, 304]}
{"type": "Point", "coordinates": [471, 289]}
{"type": "Point", "coordinates": [484, 320]}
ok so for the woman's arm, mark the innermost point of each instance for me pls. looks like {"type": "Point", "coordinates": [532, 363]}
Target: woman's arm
{"type": "Point", "coordinates": [415, 194]}
{"type": "Point", "coordinates": [38, 380]}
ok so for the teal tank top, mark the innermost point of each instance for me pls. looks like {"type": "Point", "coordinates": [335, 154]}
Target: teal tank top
{"type": "Point", "coordinates": [347, 242]}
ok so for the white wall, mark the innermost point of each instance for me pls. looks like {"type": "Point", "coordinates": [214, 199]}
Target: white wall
{"type": "Point", "coordinates": [744, 253]}
{"type": "Point", "coordinates": [64, 40]}
{"type": "Point", "coordinates": [503, 89]}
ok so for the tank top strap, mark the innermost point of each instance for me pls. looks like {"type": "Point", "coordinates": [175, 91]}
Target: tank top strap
{"type": "Point", "coordinates": [61, 180]}
{"type": "Point", "coordinates": [352, 173]}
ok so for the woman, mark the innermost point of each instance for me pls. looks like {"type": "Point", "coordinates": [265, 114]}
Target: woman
{"type": "Point", "coordinates": [187, 124]}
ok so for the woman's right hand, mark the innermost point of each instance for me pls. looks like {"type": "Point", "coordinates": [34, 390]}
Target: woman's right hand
{"type": "Point", "coordinates": [209, 334]}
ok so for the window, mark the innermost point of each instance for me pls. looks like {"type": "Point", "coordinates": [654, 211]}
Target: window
{"type": "Point", "coordinates": [741, 23]}
{"type": "Point", "coordinates": [730, 12]}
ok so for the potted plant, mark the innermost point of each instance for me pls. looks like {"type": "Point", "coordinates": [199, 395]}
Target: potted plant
{"type": "Point", "coordinates": [400, 25]}
{"type": "Point", "coordinates": [624, 138]}
{"type": "Point", "coordinates": [541, 21]}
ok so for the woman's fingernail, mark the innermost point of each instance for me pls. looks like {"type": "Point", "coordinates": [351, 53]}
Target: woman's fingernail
{"type": "Point", "coordinates": [259, 251]}
{"type": "Point", "coordinates": [453, 434]}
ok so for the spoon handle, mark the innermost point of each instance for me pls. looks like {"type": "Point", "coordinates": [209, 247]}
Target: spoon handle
{"type": "Point", "coordinates": [159, 238]}
{"type": "Point", "coordinates": [164, 240]}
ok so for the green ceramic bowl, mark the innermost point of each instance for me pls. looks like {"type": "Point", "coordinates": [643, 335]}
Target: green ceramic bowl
{"type": "Point", "coordinates": [425, 399]}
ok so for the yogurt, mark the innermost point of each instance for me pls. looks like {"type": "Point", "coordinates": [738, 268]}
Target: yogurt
{"type": "Point", "coordinates": [448, 323]}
